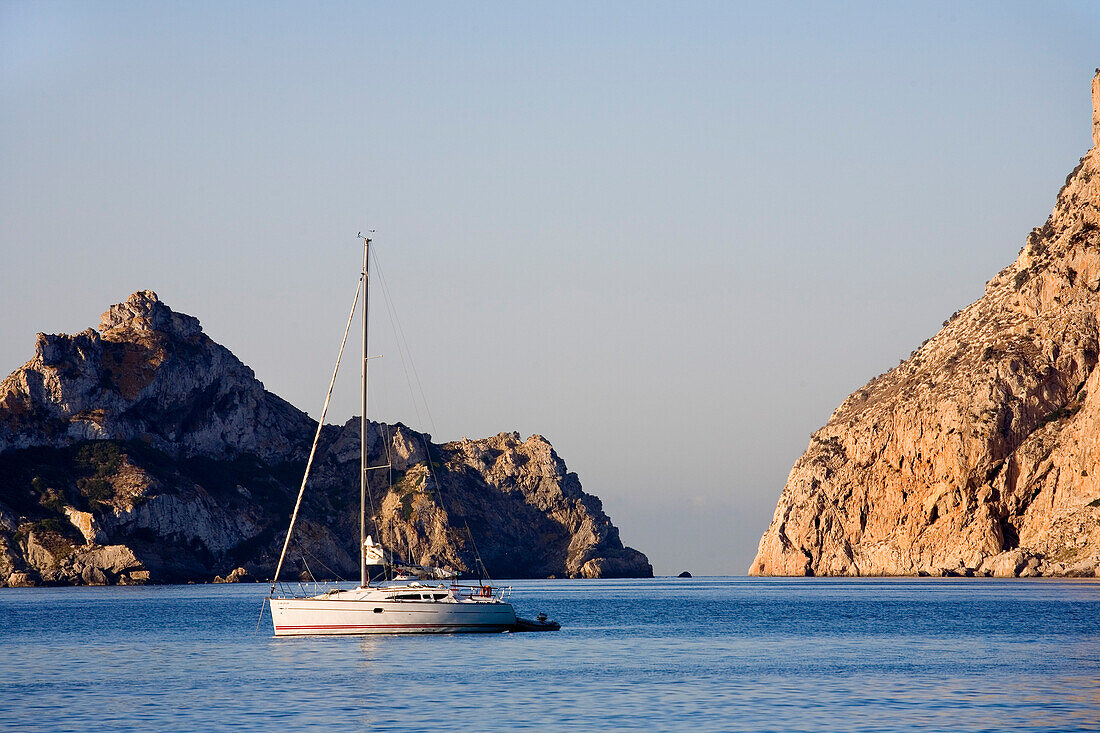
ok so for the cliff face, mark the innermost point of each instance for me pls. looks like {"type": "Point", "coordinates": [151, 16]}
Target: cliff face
{"type": "Point", "coordinates": [145, 452]}
{"type": "Point", "coordinates": [980, 455]}
{"type": "Point", "coordinates": [152, 375]}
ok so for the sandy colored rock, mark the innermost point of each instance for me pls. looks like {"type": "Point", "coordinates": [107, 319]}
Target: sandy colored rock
{"type": "Point", "coordinates": [40, 552]}
{"type": "Point", "coordinates": [93, 576]}
{"type": "Point", "coordinates": [85, 522]}
{"type": "Point", "coordinates": [1096, 109]}
{"type": "Point", "coordinates": [529, 492]}
{"type": "Point", "coordinates": [1007, 564]}
{"type": "Point", "coordinates": [20, 580]}
{"type": "Point", "coordinates": [238, 575]}
{"type": "Point", "coordinates": [115, 559]}
{"type": "Point", "coordinates": [985, 442]}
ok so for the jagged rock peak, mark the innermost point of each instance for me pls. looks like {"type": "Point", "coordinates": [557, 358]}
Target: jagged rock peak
{"type": "Point", "coordinates": [980, 454]}
{"type": "Point", "coordinates": [149, 374]}
{"type": "Point", "coordinates": [143, 311]}
{"type": "Point", "coordinates": [1096, 109]}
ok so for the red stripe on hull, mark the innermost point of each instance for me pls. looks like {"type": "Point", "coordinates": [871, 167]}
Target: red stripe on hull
{"type": "Point", "coordinates": [393, 626]}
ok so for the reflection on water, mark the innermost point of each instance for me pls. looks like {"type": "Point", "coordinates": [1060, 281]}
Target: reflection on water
{"type": "Point", "coordinates": [367, 647]}
{"type": "Point", "coordinates": [665, 654]}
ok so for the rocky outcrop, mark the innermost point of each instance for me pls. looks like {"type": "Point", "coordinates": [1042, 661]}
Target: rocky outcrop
{"type": "Point", "coordinates": [980, 454]}
{"type": "Point", "coordinates": [507, 491]}
{"type": "Point", "coordinates": [151, 375]}
{"type": "Point", "coordinates": [239, 575]}
{"type": "Point", "coordinates": [145, 452]}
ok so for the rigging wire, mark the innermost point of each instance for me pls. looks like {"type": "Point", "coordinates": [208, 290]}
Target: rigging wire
{"type": "Point", "coordinates": [403, 347]}
{"type": "Point", "coordinates": [316, 439]}
{"type": "Point", "coordinates": [334, 574]}
{"type": "Point", "coordinates": [382, 427]}
{"type": "Point", "coordinates": [389, 487]}
{"type": "Point", "coordinates": [377, 396]}
{"type": "Point", "coordinates": [403, 351]}
{"type": "Point", "coordinates": [260, 617]}
{"type": "Point", "coordinates": [312, 577]}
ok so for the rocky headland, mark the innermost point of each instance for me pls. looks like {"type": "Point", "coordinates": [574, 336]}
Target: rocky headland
{"type": "Point", "coordinates": [980, 454]}
{"type": "Point", "coordinates": [142, 451]}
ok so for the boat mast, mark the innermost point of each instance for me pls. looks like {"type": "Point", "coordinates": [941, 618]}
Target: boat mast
{"type": "Point", "coordinates": [363, 429]}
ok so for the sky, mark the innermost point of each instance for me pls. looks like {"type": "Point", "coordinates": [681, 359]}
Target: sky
{"type": "Point", "coordinates": [669, 237]}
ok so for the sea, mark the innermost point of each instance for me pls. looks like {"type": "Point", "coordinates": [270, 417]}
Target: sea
{"type": "Point", "coordinates": [667, 654]}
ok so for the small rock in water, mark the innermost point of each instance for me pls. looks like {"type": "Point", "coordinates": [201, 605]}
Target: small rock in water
{"type": "Point", "coordinates": [135, 577]}
{"type": "Point", "coordinates": [684, 574]}
{"type": "Point", "coordinates": [235, 576]}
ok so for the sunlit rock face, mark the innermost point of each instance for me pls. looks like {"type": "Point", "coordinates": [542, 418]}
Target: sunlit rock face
{"type": "Point", "coordinates": [145, 452]}
{"type": "Point", "coordinates": [980, 454]}
{"type": "Point", "coordinates": [147, 374]}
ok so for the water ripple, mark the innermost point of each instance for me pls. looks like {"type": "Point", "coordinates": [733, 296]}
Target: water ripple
{"type": "Point", "coordinates": [707, 654]}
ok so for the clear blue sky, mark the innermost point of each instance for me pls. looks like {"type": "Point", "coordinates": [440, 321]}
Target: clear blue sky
{"type": "Point", "coordinates": [670, 237]}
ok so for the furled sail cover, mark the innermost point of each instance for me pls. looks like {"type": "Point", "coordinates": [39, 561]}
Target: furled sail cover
{"type": "Point", "coordinates": [372, 552]}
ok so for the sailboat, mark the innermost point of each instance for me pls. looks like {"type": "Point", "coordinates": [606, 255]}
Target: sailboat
{"type": "Point", "coordinates": [390, 608]}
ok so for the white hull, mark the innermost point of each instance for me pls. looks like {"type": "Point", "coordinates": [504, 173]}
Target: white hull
{"type": "Point", "coordinates": [370, 612]}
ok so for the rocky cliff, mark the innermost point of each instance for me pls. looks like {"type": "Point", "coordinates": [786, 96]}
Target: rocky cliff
{"type": "Point", "coordinates": [145, 452]}
{"type": "Point", "coordinates": [980, 454]}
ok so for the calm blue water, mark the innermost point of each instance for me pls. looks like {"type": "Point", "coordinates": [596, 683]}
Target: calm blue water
{"type": "Point", "coordinates": [703, 654]}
